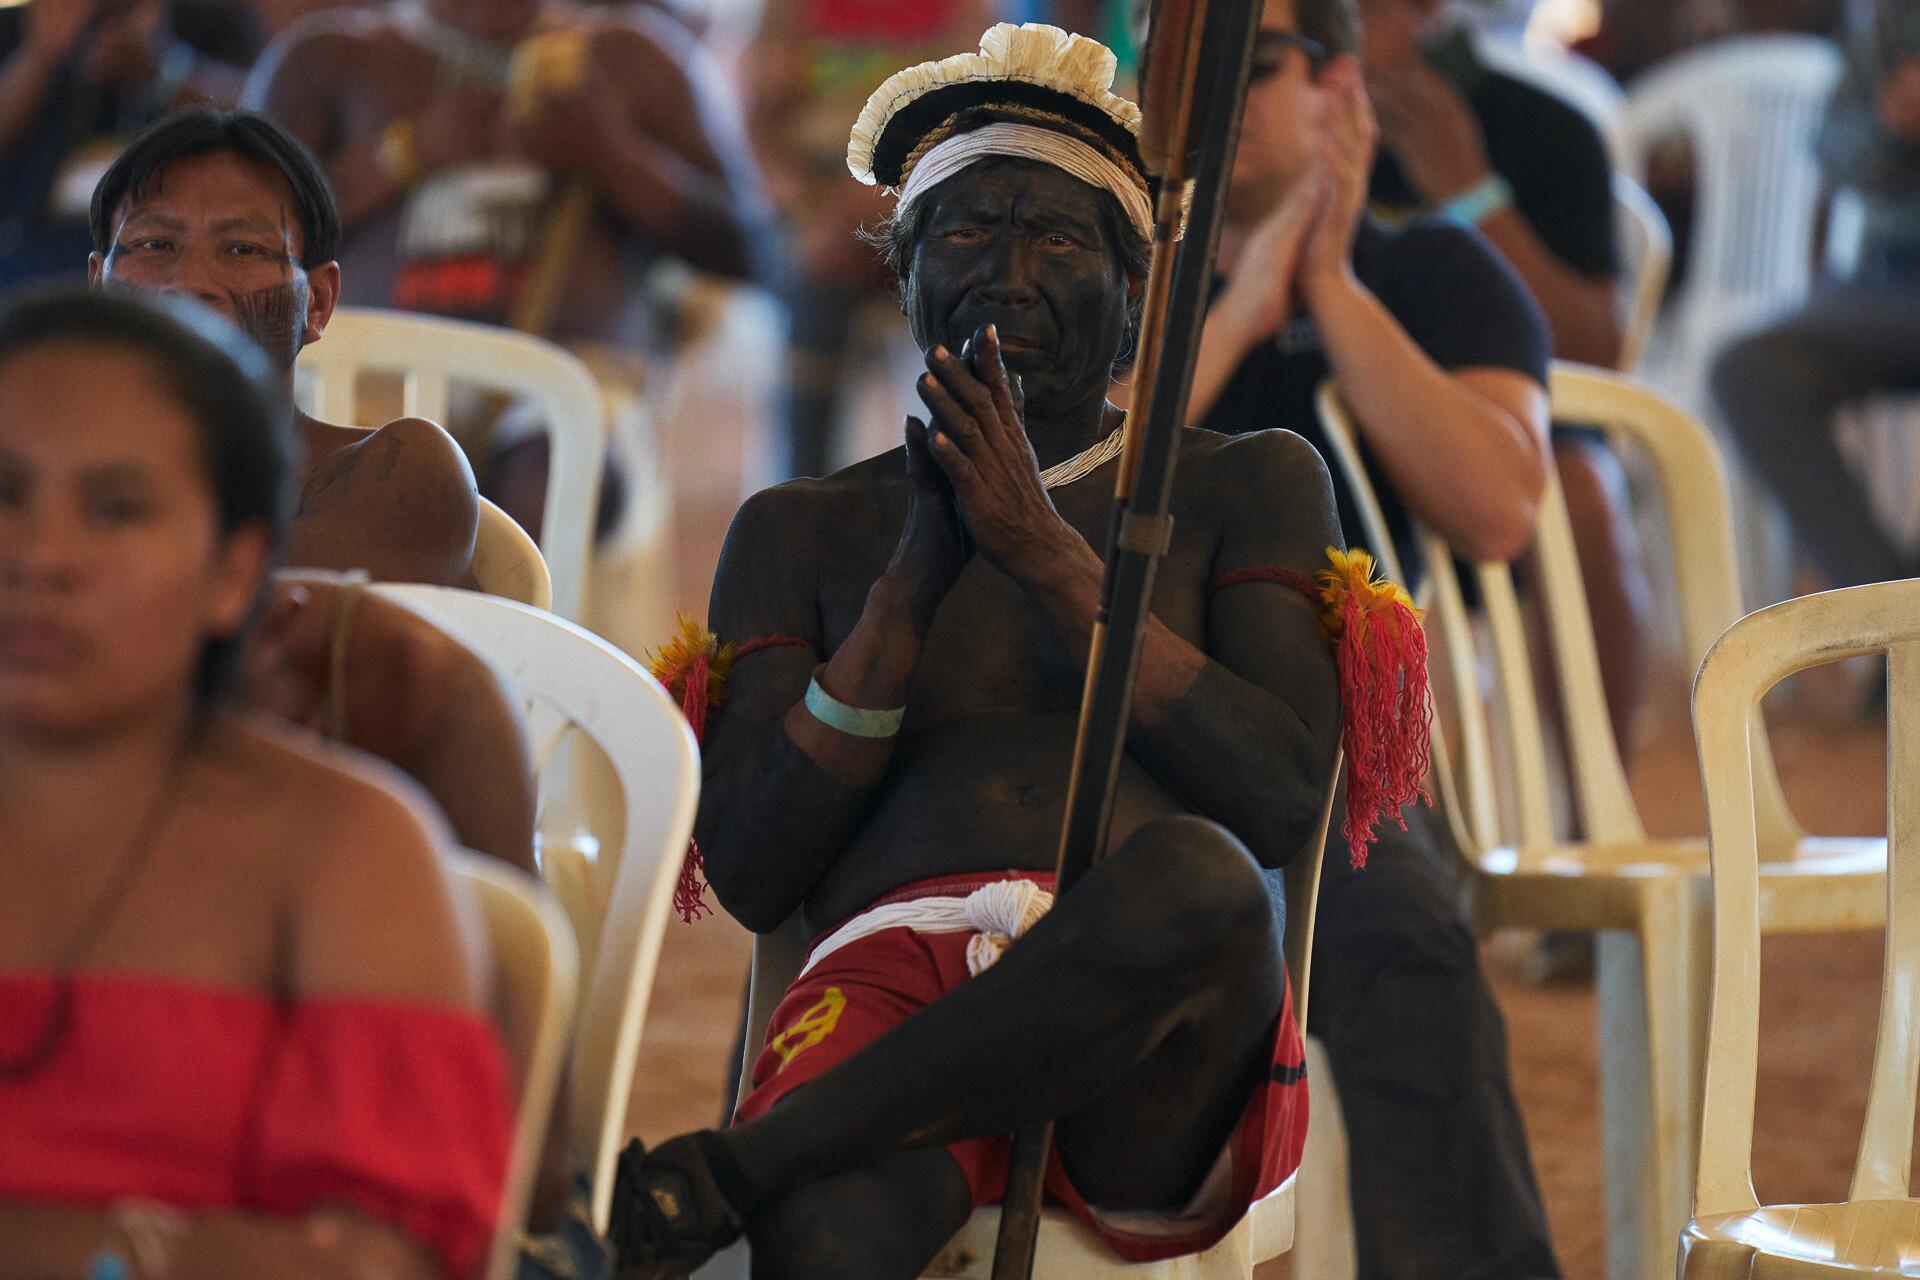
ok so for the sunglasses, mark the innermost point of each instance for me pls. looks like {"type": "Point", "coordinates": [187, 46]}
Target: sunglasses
{"type": "Point", "coordinates": [1270, 47]}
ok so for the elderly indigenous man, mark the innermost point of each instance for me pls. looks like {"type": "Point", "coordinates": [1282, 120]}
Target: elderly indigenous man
{"type": "Point", "coordinates": [1442, 357]}
{"type": "Point", "coordinates": [229, 209]}
{"type": "Point", "coordinates": [895, 771]}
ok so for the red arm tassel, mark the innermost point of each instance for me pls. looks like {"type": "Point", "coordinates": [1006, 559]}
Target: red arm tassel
{"type": "Point", "coordinates": [694, 668]}
{"type": "Point", "coordinates": [1381, 653]}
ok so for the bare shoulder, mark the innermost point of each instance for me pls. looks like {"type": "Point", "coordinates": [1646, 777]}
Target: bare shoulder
{"type": "Point", "coordinates": [428, 501]}
{"type": "Point", "coordinates": [430, 674]}
{"type": "Point", "coordinates": [786, 539]}
{"type": "Point", "coordinates": [375, 905]}
{"type": "Point", "coordinates": [1255, 464]}
{"type": "Point", "coordinates": [398, 502]}
{"type": "Point", "coordinates": [422, 449]}
{"type": "Point", "coordinates": [346, 805]}
{"type": "Point", "coordinates": [818, 517]}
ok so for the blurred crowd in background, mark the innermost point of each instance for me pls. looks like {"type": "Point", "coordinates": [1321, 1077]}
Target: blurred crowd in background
{"type": "Point", "coordinates": [698, 248]}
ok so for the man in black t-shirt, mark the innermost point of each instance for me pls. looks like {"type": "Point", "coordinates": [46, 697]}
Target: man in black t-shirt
{"type": "Point", "coordinates": [1441, 355]}
{"type": "Point", "coordinates": [1463, 311]}
{"type": "Point", "coordinates": [1526, 169]}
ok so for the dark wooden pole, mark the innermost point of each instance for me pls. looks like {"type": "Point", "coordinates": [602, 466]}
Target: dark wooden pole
{"type": "Point", "coordinates": [1194, 94]}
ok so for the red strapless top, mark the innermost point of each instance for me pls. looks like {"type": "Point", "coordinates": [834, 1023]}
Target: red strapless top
{"type": "Point", "coordinates": [206, 1098]}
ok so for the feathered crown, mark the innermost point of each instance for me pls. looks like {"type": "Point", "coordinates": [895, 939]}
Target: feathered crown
{"type": "Point", "coordinates": [1031, 74]}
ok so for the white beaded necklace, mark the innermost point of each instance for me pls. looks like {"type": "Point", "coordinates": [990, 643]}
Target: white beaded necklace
{"type": "Point", "coordinates": [1087, 461]}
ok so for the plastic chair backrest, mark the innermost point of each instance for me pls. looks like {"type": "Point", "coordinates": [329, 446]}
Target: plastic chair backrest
{"type": "Point", "coordinates": [1754, 655]}
{"type": "Point", "coordinates": [1706, 588]}
{"type": "Point", "coordinates": [536, 977]}
{"type": "Point", "coordinates": [571, 680]}
{"type": "Point", "coordinates": [1303, 900]}
{"type": "Point", "coordinates": [1646, 257]}
{"type": "Point", "coordinates": [1750, 106]}
{"type": "Point", "coordinates": [431, 355]}
{"type": "Point", "coordinates": [507, 562]}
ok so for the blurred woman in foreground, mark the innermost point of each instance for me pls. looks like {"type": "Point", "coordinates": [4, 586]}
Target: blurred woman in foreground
{"type": "Point", "coordinates": [240, 991]}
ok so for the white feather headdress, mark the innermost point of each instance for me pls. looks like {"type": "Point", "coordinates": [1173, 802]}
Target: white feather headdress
{"type": "Point", "coordinates": [1031, 71]}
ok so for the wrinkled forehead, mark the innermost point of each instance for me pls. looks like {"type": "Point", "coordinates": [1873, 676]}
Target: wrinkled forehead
{"type": "Point", "coordinates": [1006, 187]}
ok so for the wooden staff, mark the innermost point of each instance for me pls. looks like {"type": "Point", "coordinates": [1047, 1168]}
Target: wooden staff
{"type": "Point", "coordinates": [1191, 103]}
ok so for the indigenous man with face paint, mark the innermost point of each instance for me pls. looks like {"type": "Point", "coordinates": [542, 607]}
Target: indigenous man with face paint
{"type": "Point", "coordinates": [1441, 356]}
{"type": "Point", "coordinates": [892, 757]}
{"type": "Point", "coordinates": [230, 210]}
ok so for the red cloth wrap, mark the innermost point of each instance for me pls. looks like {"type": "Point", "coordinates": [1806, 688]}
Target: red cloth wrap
{"type": "Point", "coordinates": [206, 1098]}
{"type": "Point", "coordinates": [1381, 652]}
{"type": "Point", "coordinates": [869, 986]}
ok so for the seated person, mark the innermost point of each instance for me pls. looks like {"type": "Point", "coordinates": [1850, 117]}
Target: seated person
{"type": "Point", "coordinates": [1442, 358]}
{"type": "Point", "coordinates": [453, 177]}
{"type": "Point", "coordinates": [528, 163]}
{"type": "Point", "coordinates": [371, 673]}
{"type": "Point", "coordinates": [240, 991]}
{"type": "Point", "coordinates": [1780, 388]}
{"type": "Point", "coordinates": [79, 79]}
{"type": "Point", "coordinates": [229, 209]}
{"type": "Point", "coordinates": [1528, 170]}
{"type": "Point", "coordinates": [895, 772]}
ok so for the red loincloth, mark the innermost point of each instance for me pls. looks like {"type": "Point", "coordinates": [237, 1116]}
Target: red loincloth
{"type": "Point", "coordinates": [853, 996]}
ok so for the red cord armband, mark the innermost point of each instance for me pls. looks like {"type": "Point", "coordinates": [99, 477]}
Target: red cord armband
{"type": "Point", "coordinates": [1381, 652]}
{"type": "Point", "coordinates": [694, 667]}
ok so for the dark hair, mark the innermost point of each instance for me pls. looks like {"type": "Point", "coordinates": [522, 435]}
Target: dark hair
{"type": "Point", "coordinates": [896, 238]}
{"type": "Point", "coordinates": [223, 381]}
{"type": "Point", "coordinates": [1334, 25]}
{"type": "Point", "coordinates": [198, 131]}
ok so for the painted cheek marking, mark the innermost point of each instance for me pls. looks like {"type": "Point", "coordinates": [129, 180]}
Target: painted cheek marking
{"type": "Point", "coordinates": [272, 317]}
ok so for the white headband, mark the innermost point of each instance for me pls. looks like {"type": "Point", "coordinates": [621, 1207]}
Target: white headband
{"type": "Point", "coordinates": [1030, 142]}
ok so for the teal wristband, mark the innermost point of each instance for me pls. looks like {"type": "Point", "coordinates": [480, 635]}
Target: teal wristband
{"type": "Point", "coordinates": [1478, 202]}
{"type": "Point", "coordinates": [861, 722]}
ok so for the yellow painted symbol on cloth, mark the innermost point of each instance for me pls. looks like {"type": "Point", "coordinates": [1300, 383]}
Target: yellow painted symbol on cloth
{"type": "Point", "coordinates": [811, 1027]}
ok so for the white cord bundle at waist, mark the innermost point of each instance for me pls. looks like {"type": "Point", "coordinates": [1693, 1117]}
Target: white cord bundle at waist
{"type": "Point", "coordinates": [997, 913]}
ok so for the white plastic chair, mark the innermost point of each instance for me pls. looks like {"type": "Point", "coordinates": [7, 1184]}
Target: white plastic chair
{"type": "Point", "coordinates": [1646, 258]}
{"type": "Point", "coordinates": [432, 354]}
{"type": "Point", "coordinates": [536, 972]}
{"type": "Point", "coordinates": [507, 562]}
{"type": "Point", "coordinates": [1067, 1247]}
{"type": "Point", "coordinates": [572, 680]}
{"type": "Point", "coordinates": [1750, 106]}
{"type": "Point", "coordinates": [1876, 1230]}
{"type": "Point", "coordinates": [1646, 897]}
